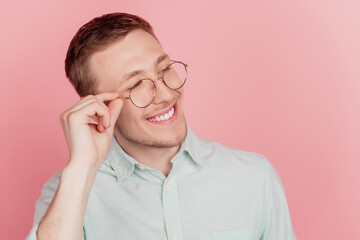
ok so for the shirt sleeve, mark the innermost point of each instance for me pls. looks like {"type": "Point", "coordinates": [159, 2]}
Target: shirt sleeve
{"type": "Point", "coordinates": [42, 204]}
{"type": "Point", "coordinates": [277, 222]}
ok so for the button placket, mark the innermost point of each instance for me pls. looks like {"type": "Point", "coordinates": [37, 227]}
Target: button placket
{"type": "Point", "coordinates": [171, 206]}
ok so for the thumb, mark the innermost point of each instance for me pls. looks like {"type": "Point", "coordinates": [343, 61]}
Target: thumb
{"type": "Point", "coordinates": [115, 107]}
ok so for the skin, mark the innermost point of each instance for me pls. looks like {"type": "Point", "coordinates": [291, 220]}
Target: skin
{"type": "Point", "coordinates": [151, 144]}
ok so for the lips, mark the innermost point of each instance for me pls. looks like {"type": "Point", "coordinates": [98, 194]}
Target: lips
{"type": "Point", "coordinates": [161, 113]}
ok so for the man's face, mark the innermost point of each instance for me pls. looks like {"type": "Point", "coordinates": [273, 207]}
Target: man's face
{"type": "Point", "coordinates": [140, 51]}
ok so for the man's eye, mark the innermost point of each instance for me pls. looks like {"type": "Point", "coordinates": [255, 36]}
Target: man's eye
{"type": "Point", "coordinates": [166, 69]}
{"type": "Point", "coordinates": [136, 84]}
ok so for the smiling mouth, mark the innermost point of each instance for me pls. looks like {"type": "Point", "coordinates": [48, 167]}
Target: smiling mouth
{"type": "Point", "coordinates": [168, 115]}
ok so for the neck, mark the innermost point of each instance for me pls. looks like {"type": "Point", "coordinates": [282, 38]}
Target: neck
{"type": "Point", "coordinates": [158, 158]}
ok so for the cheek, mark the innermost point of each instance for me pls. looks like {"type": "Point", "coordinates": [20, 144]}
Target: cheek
{"type": "Point", "coordinates": [181, 95]}
{"type": "Point", "coordinates": [130, 114]}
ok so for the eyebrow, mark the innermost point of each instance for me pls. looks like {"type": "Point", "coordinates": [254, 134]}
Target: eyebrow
{"type": "Point", "coordinates": [137, 72]}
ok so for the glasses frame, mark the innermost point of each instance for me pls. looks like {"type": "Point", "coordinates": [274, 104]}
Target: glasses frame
{"type": "Point", "coordinates": [154, 85]}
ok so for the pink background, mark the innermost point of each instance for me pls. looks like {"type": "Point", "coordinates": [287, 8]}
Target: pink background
{"type": "Point", "coordinates": [276, 77]}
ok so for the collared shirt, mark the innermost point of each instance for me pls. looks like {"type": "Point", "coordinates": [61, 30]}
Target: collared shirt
{"type": "Point", "coordinates": [212, 192]}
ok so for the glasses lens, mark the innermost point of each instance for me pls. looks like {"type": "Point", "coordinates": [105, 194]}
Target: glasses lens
{"type": "Point", "coordinates": [142, 93]}
{"type": "Point", "coordinates": [175, 75]}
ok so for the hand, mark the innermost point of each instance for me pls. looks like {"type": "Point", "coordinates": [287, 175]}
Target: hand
{"type": "Point", "coordinates": [89, 143]}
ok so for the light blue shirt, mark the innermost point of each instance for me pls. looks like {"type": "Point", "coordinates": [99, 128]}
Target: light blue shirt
{"type": "Point", "coordinates": [212, 193]}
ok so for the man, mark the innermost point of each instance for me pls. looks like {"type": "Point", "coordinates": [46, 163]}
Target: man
{"type": "Point", "coordinates": [136, 169]}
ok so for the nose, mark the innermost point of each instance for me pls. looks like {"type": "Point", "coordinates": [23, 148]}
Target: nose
{"type": "Point", "coordinates": [163, 93]}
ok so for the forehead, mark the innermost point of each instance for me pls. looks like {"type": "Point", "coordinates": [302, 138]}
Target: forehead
{"type": "Point", "coordinates": [137, 50]}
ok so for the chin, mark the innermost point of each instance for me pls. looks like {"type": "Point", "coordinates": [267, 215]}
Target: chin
{"type": "Point", "coordinates": [155, 138]}
{"type": "Point", "coordinates": [170, 138]}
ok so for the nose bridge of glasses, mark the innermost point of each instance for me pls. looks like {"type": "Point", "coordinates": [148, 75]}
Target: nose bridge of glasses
{"type": "Point", "coordinates": [159, 79]}
{"type": "Point", "coordinates": [163, 90]}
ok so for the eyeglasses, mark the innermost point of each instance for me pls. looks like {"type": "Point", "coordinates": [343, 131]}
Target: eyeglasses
{"type": "Point", "coordinates": [143, 92]}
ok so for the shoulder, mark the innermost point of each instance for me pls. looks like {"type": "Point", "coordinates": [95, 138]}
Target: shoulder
{"type": "Point", "coordinates": [49, 188]}
{"type": "Point", "coordinates": [221, 159]}
{"type": "Point", "coordinates": [52, 184]}
{"type": "Point", "coordinates": [240, 163]}
{"type": "Point", "coordinates": [47, 194]}
{"type": "Point", "coordinates": [218, 153]}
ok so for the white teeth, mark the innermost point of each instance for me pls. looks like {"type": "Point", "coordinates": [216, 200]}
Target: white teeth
{"type": "Point", "coordinates": [163, 117]}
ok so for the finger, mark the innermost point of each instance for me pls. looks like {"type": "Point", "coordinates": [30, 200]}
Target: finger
{"type": "Point", "coordinates": [102, 97]}
{"type": "Point", "coordinates": [88, 100]}
{"type": "Point", "coordinates": [83, 99]}
{"type": "Point", "coordinates": [94, 109]}
{"type": "Point", "coordinates": [115, 107]}
{"type": "Point", "coordinates": [98, 120]}
{"type": "Point", "coordinates": [85, 102]}
{"type": "Point", "coordinates": [100, 128]}
{"type": "Point", "coordinates": [94, 119]}
{"type": "Point", "coordinates": [107, 96]}
{"type": "Point", "coordinates": [82, 103]}
{"type": "Point", "coordinates": [87, 96]}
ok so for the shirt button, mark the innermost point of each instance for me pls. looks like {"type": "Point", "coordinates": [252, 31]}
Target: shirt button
{"type": "Point", "coordinates": [175, 237]}
{"type": "Point", "coordinates": [168, 188]}
{"type": "Point", "coordinates": [141, 167]}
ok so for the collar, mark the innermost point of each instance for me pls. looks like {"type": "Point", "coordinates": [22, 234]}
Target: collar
{"type": "Point", "coordinates": [123, 164]}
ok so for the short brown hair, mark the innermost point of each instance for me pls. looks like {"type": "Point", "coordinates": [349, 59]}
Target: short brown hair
{"type": "Point", "coordinates": [95, 36]}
